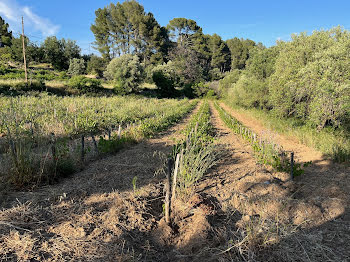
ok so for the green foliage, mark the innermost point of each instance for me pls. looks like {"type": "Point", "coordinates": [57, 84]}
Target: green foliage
{"type": "Point", "coordinates": [21, 87]}
{"type": "Point", "coordinates": [76, 66]}
{"type": "Point", "coordinates": [59, 52]}
{"type": "Point", "coordinates": [96, 65]}
{"type": "Point", "coordinates": [250, 92]}
{"type": "Point", "coordinates": [5, 57]}
{"type": "Point", "coordinates": [216, 74]}
{"type": "Point", "coordinates": [202, 89]}
{"type": "Point", "coordinates": [164, 76]}
{"type": "Point", "coordinates": [114, 144]}
{"type": "Point", "coordinates": [228, 81]}
{"type": "Point", "coordinates": [220, 54]}
{"type": "Point", "coordinates": [267, 152]}
{"type": "Point", "coordinates": [306, 78]}
{"type": "Point", "coordinates": [240, 51]}
{"type": "Point", "coordinates": [197, 152]}
{"type": "Point", "coordinates": [33, 52]}
{"type": "Point", "coordinates": [124, 28]}
{"type": "Point", "coordinates": [182, 29]}
{"type": "Point", "coordinates": [311, 78]}
{"type": "Point", "coordinates": [5, 34]}
{"type": "Point", "coordinates": [187, 65]}
{"type": "Point", "coordinates": [85, 85]}
{"type": "Point", "coordinates": [261, 63]}
{"type": "Point", "coordinates": [126, 71]}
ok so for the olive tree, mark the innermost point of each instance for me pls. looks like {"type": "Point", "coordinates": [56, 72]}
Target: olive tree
{"type": "Point", "coordinates": [127, 73]}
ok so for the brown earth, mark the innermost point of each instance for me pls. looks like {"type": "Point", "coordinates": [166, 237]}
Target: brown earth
{"type": "Point", "coordinates": [95, 215]}
{"type": "Point", "coordinates": [242, 211]}
{"type": "Point", "coordinates": [325, 185]}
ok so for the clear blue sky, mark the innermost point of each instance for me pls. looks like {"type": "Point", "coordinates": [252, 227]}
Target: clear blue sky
{"type": "Point", "coordinates": [261, 21]}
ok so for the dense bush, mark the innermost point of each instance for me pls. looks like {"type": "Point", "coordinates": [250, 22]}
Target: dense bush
{"type": "Point", "coordinates": [307, 78]}
{"type": "Point", "coordinates": [164, 77]}
{"type": "Point", "coordinates": [126, 71]}
{"type": "Point", "coordinates": [250, 91]}
{"type": "Point", "coordinates": [76, 66]}
{"type": "Point", "coordinates": [228, 81]}
{"type": "Point", "coordinates": [201, 89]}
{"type": "Point", "coordinates": [96, 65]}
{"type": "Point", "coordinates": [85, 85]}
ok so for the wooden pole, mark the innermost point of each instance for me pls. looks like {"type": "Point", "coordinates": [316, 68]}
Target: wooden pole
{"type": "Point", "coordinates": [24, 53]}
{"type": "Point", "coordinates": [291, 165]}
{"type": "Point", "coordinates": [119, 131]}
{"type": "Point", "coordinates": [95, 144]}
{"type": "Point", "coordinates": [53, 146]}
{"type": "Point", "coordinates": [167, 192]}
{"type": "Point", "coordinates": [175, 176]}
{"type": "Point", "coordinates": [82, 148]}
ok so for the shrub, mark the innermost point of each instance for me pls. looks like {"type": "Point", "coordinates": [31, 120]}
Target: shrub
{"type": "Point", "coordinates": [76, 66]}
{"type": "Point", "coordinates": [228, 81]}
{"type": "Point", "coordinates": [250, 92]}
{"type": "Point", "coordinates": [164, 81]}
{"type": "Point", "coordinates": [126, 71]}
{"type": "Point", "coordinates": [96, 65]}
{"type": "Point", "coordinates": [215, 74]}
{"type": "Point", "coordinates": [63, 75]}
{"type": "Point", "coordinates": [201, 89]}
{"type": "Point", "coordinates": [85, 85]}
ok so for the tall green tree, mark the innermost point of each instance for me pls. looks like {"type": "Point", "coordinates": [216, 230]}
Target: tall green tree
{"type": "Point", "coordinates": [125, 28]}
{"type": "Point", "coordinates": [201, 45]}
{"type": "Point", "coordinates": [187, 64]}
{"type": "Point", "coordinates": [103, 41]}
{"type": "Point", "coordinates": [182, 30]}
{"type": "Point", "coordinates": [239, 49]}
{"type": "Point", "coordinates": [70, 49]}
{"type": "Point", "coordinates": [5, 34]}
{"type": "Point", "coordinates": [59, 52]}
{"type": "Point", "coordinates": [220, 54]}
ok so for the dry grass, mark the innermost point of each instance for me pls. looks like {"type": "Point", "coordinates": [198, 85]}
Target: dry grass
{"type": "Point", "coordinates": [11, 81]}
{"type": "Point", "coordinates": [240, 212]}
{"type": "Point", "coordinates": [56, 83]}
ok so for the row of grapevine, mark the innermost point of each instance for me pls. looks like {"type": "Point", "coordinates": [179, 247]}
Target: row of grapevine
{"type": "Point", "coordinates": [266, 151]}
{"type": "Point", "coordinates": [71, 116]}
{"type": "Point", "coordinates": [30, 159]}
{"type": "Point", "coordinates": [196, 153]}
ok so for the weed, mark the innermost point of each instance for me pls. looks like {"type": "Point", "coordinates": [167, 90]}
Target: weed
{"type": "Point", "coordinates": [134, 184]}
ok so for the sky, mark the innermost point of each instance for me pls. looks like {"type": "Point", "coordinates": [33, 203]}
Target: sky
{"type": "Point", "coordinates": [262, 21]}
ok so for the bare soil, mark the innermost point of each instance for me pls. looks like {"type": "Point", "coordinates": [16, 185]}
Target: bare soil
{"type": "Point", "coordinates": [241, 211]}
{"type": "Point", "coordinates": [95, 215]}
{"type": "Point", "coordinates": [325, 185]}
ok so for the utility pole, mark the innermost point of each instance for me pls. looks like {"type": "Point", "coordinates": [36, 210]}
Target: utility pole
{"type": "Point", "coordinates": [24, 53]}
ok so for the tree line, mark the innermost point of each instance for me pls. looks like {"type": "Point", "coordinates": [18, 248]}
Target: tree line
{"type": "Point", "coordinates": [176, 55]}
{"type": "Point", "coordinates": [60, 53]}
{"type": "Point", "coordinates": [307, 78]}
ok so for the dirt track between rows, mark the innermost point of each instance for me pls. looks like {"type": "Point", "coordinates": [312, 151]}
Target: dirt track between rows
{"type": "Point", "coordinates": [325, 184]}
{"type": "Point", "coordinates": [97, 215]}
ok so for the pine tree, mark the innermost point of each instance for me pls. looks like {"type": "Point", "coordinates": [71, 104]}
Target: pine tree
{"type": "Point", "coordinates": [5, 34]}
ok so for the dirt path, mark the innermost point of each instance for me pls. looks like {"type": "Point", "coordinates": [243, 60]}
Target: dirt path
{"type": "Point", "coordinates": [324, 185]}
{"type": "Point", "coordinates": [302, 152]}
{"type": "Point", "coordinates": [242, 211]}
{"type": "Point", "coordinates": [98, 214]}
{"type": "Point", "coordinates": [322, 179]}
